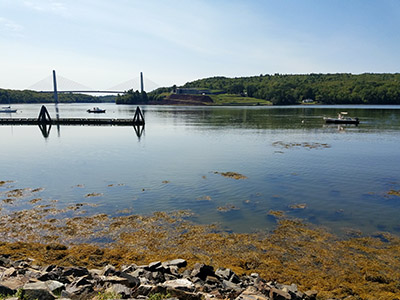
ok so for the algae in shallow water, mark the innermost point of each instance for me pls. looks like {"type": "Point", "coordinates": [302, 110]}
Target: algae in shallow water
{"type": "Point", "coordinates": [294, 252]}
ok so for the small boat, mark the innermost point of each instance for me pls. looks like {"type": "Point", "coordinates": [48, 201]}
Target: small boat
{"type": "Point", "coordinates": [7, 109]}
{"type": "Point", "coordinates": [342, 119]}
{"type": "Point", "coordinates": [96, 110]}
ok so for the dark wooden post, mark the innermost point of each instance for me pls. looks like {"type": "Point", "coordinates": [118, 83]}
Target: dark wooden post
{"type": "Point", "coordinates": [138, 118]}
{"type": "Point", "coordinates": [44, 116]}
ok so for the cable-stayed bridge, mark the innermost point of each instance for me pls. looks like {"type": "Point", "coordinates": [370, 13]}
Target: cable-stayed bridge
{"type": "Point", "coordinates": [60, 84]}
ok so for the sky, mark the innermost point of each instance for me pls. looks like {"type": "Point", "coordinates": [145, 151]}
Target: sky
{"type": "Point", "coordinates": [102, 43]}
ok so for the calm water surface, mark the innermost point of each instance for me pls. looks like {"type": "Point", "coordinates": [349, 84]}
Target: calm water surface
{"type": "Point", "coordinates": [341, 173]}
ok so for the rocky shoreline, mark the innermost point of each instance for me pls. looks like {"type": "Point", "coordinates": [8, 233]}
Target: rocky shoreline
{"type": "Point", "coordinates": [171, 279]}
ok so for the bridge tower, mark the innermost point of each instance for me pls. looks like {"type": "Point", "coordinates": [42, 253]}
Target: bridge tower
{"type": "Point", "coordinates": [55, 87]}
{"type": "Point", "coordinates": [141, 82]}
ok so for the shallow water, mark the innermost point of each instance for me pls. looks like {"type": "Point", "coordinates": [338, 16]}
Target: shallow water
{"type": "Point", "coordinates": [341, 173]}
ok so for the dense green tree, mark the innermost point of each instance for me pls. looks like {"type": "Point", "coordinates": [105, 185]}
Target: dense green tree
{"type": "Point", "coordinates": [342, 88]}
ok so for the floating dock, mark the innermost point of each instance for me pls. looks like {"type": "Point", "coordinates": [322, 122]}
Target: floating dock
{"type": "Point", "coordinates": [69, 121]}
{"type": "Point", "coordinates": [45, 119]}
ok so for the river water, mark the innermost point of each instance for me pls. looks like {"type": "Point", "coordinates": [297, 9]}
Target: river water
{"type": "Point", "coordinates": [340, 177]}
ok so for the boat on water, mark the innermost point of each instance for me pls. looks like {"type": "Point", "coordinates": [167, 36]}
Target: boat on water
{"type": "Point", "coordinates": [342, 118]}
{"type": "Point", "coordinates": [96, 110]}
{"type": "Point", "coordinates": [7, 109]}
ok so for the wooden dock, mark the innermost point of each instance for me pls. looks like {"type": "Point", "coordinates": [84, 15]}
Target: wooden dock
{"type": "Point", "coordinates": [45, 119]}
{"type": "Point", "coordinates": [69, 121]}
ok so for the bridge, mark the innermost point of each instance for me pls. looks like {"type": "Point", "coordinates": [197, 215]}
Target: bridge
{"type": "Point", "coordinates": [56, 83]}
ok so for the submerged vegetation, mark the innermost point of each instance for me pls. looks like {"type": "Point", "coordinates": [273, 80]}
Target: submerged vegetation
{"type": "Point", "coordinates": [364, 267]}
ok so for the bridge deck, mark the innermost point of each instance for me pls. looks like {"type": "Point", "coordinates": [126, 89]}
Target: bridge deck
{"type": "Point", "coordinates": [69, 121]}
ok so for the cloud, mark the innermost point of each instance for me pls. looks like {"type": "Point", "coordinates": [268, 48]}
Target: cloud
{"type": "Point", "coordinates": [10, 28]}
{"type": "Point", "coordinates": [46, 6]}
{"type": "Point", "coordinates": [8, 25]}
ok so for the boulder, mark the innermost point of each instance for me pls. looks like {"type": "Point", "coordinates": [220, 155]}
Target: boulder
{"type": "Point", "coordinates": [119, 289]}
{"type": "Point", "coordinates": [6, 291]}
{"type": "Point", "coordinates": [179, 284]}
{"type": "Point", "coordinates": [180, 263]}
{"type": "Point", "coordinates": [202, 271]}
{"type": "Point", "coordinates": [36, 290]}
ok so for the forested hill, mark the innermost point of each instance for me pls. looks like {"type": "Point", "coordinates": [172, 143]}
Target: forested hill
{"type": "Point", "coordinates": [27, 96]}
{"type": "Point", "coordinates": [368, 88]}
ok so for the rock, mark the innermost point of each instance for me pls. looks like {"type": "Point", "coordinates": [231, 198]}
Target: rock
{"type": "Point", "coordinates": [56, 273]}
{"type": "Point", "coordinates": [13, 283]}
{"type": "Point", "coordinates": [129, 269]}
{"type": "Point", "coordinates": [311, 294]}
{"type": "Point", "coordinates": [277, 294]}
{"type": "Point", "coordinates": [75, 272]}
{"type": "Point", "coordinates": [212, 280]}
{"type": "Point", "coordinates": [55, 286]}
{"type": "Point", "coordinates": [109, 280]}
{"type": "Point", "coordinates": [36, 290]}
{"type": "Point", "coordinates": [202, 271]}
{"type": "Point", "coordinates": [228, 285]}
{"type": "Point", "coordinates": [119, 289]}
{"type": "Point", "coordinates": [252, 297]}
{"type": "Point", "coordinates": [153, 266]}
{"type": "Point", "coordinates": [183, 295]}
{"type": "Point", "coordinates": [133, 282]}
{"type": "Point", "coordinates": [224, 273]}
{"type": "Point", "coordinates": [108, 270]}
{"type": "Point", "coordinates": [179, 284]}
{"type": "Point", "coordinates": [4, 261]}
{"type": "Point", "coordinates": [180, 263]}
{"type": "Point", "coordinates": [80, 286]}
{"type": "Point", "coordinates": [10, 272]}
{"type": "Point", "coordinates": [6, 291]}
{"type": "Point", "coordinates": [143, 289]}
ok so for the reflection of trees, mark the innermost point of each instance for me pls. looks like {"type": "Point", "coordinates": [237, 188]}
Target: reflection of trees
{"type": "Point", "coordinates": [275, 117]}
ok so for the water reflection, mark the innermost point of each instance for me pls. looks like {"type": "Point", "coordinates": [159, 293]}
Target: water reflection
{"type": "Point", "coordinates": [139, 129]}
{"type": "Point", "coordinates": [45, 129]}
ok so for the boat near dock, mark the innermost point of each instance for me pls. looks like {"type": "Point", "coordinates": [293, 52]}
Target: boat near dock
{"type": "Point", "coordinates": [342, 119]}
{"type": "Point", "coordinates": [7, 109]}
{"type": "Point", "coordinates": [96, 110]}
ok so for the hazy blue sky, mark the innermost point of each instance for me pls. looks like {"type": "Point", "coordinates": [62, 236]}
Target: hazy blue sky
{"type": "Point", "coordinates": [101, 43]}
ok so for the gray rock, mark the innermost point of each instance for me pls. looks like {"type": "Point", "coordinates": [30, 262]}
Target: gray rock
{"type": "Point", "coordinates": [10, 272]}
{"type": "Point", "coordinates": [108, 270]}
{"type": "Point", "coordinates": [228, 285]}
{"type": "Point", "coordinates": [180, 263]}
{"type": "Point", "coordinates": [129, 269]}
{"type": "Point", "coordinates": [75, 272]}
{"type": "Point", "coordinates": [153, 266]}
{"type": "Point", "coordinates": [109, 280]}
{"type": "Point", "coordinates": [202, 271]}
{"type": "Point", "coordinates": [143, 290]}
{"type": "Point", "coordinates": [180, 284]}
{"type": "Point", "coordinates": [133, 282]}
{"type": "Point", "coordinates": [311, 294]}
{"type": "Point", "coordinates": [252, 297]}
{"type": "Point", "coordinates": [224, 273]}
{"type": "Point", "coordinates": [183, 295]}
{"type": "Point", "coordinates": [6, 291]}
{"type": "Point", "coordinates": [36, 290]}
{"type": "Point", "coordinates": [121, 290]}
{"type": "Point", "coordinates": [55, 286]}
{"type": "Point", "coordinates": [4, 261]}
{"type": "Point", "coordinates": [212, 280]}
{"type": "Point", "coordinates": [277, 294]}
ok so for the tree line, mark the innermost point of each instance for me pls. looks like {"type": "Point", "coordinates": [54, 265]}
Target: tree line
{"type": "Point", "coordinates": [342, 88]}
{"type": "Point", "coordinates": [28, 96]}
